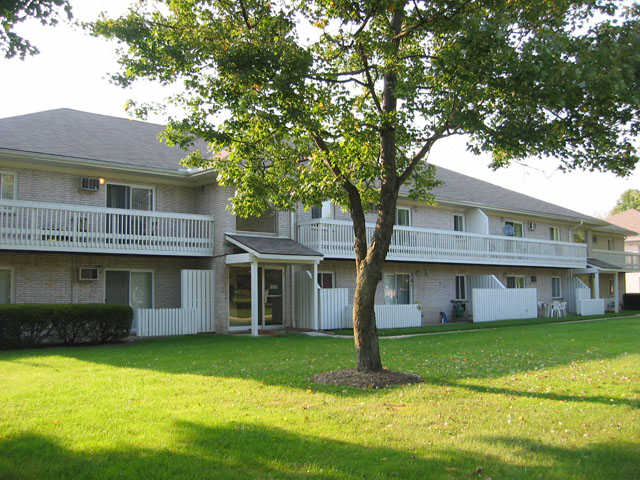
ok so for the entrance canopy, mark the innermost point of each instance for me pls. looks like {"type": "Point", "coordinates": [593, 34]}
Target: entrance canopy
{"type": "Point", "coordinates": [263, 254]}
{"type": "Point", "coordinates": [270, 249]}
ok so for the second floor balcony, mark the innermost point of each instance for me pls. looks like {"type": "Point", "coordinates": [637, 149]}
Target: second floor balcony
{"type": "Point", "coordinates": [54, 227]}
{"type": "Point", "coordinates": [334, 238]}
{"type": "Point", "coordinates": [626, 261]}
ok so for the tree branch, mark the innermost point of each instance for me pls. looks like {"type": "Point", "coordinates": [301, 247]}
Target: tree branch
{"type": "Point", "coordinates": [370, 83]}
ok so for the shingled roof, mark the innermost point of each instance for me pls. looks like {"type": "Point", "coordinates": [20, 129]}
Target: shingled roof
{"type": "Point", "coordinates": [77, 135]}
{"type": "Point", "coordinates": [89, 136]}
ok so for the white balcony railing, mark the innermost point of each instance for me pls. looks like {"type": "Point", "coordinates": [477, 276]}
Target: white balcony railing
{"type": "Point", "coordinates": [72, 228]}
{"type": "Point", "coordinates": [627, 261]}
{"type": "Point", "coordinates": [334, 238]}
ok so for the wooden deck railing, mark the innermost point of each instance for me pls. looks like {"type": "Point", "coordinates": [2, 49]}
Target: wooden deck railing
{"type": "Point", "coordinates": [334, 238]}
{"type": "Point", "coordinates": [72, 228]}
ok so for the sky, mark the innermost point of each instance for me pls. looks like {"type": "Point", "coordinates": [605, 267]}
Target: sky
{"type": "Point", "coordinates": [72, 71]}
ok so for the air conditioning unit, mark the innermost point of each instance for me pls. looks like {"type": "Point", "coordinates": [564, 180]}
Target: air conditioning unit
{"type": "Point", "coordinates": [88, 274]}
{"type": "Point", "coordinates": [90, 184]}
{"type": "Point", "coordinates": [532, 226]}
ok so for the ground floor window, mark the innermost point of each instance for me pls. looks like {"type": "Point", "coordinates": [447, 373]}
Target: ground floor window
{"type": "Point", "coordinates": [129, 287]}
{"type": "Point", "coordinates": [612, 291]}
{"type": "Point", "coordinates": [397, 289]}
{"type": "Point", "coordinates": [461, 287]}
{"type": "Point", "coordinates": [325, 280]}
{"type": "Point", "coordinates": [515, 281]}
{"type": "Point", "coordinates": [6, 289]}
{"type": "Point", "coordinates": [556, 287]}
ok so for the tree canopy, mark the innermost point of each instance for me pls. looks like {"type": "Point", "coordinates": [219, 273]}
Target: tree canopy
{"type": "Point", "coordinates": [628, 200]}
{"type": "Point", "coordinates": [14, 12]}
{"type": "Point", "coordinates": [344, 99]}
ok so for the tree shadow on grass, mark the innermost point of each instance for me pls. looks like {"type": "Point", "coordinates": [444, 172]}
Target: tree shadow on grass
{"type": "Point", "coordinates": [291, 360]}
{"type": "Point", "coordinates": [250, 451]}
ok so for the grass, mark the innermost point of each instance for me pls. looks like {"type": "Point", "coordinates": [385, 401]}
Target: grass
{"type": "Point", "coordinates": [549, 402]}
{"type": "Point", "coordinates": [449, 327]}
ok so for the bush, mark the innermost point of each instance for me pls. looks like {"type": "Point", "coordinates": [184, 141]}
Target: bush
{"type": "Point", "coordinates": [631, 301]}
{"type": "Point", "coordinates": [29, 325]}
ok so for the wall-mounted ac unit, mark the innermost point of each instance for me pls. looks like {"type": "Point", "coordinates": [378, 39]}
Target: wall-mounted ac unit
{"type": "Point", "coordinates": [88, 274]}
{"type": "Point", "coordinates": [532, 226]}
{"type": "Point", "coordinates": [90, 184]}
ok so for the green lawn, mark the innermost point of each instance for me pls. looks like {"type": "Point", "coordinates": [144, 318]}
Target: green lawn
{"type": "Point", "coordinates": [449, 327]}
{"type": "Point", "coordinates": [536, 402]}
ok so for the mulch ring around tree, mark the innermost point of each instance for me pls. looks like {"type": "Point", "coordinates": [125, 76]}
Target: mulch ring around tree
{"type": "Point", "coordinates": [358, 379]}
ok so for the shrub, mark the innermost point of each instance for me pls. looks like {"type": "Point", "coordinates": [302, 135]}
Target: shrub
{"type": "Point", "coordinates": [631, 301]}
{"type": "Point", "coordinates": [29, 325]}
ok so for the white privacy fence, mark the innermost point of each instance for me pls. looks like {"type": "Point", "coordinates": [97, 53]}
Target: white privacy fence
{"type": "Point", "coordinates": [195, 316]}
{"type": "Point", "coordinates": [334, 238]}
{"type": "Point", "coordinates": [73, 228]}
{"type": "Point", "coordinates": [490, 304]}
{"type": "Point", "coordinates": [160, 322]}
{"type": "Point", "coordinates": [590, 306]}
{"type": "Point", "coordinates": [580, 292]}
{"type": "Point", "coordinates": [335, 310]}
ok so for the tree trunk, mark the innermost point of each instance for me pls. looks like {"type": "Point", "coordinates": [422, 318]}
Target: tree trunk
{"type": "Point", "coordinates": [365, 332]}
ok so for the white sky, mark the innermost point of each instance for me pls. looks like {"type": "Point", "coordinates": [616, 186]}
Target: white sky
{"type": "Point", "coordinates": [71, 72]}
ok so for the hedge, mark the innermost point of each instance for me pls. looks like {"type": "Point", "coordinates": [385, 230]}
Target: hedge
{"type": "Point", "coordinates": [28, 325]}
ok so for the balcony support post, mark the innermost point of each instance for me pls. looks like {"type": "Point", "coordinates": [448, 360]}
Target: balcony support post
{"type": "Point", "coordinates": [596, 284]}
{"type": "Point", "coordinates": [254, 298]}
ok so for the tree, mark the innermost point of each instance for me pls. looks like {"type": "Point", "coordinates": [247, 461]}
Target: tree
{"type": "Point", "coordinates": [628, 200]}
{"type": "Point", "coordinates": [344, 99]}
{"type": "Point", "coordinates": [13, 12]}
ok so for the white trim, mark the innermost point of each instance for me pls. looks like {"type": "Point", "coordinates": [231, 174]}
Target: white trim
{"type": "Point", "coordinates": [12, 280]}
{"type": "Point", "coordinates": [137, 270]}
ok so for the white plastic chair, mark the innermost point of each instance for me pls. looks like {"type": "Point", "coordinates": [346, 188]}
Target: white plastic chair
{"type": "Point", "coordinates": [558, 309]}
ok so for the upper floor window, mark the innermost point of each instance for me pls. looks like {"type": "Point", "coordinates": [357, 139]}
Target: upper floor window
{"type": "Point", "coordinates": [129, 197]}
{"type": "Point", "coordinates": [7, 186]}
{"type": "Point", "coordinates": [397, 289]}
{"type": "Point", "coordinates": [266, 223]}
{"type": "Point", "coordinates": [556, 287]}
{"type": "Point", "coordinates": [322, 211]}
{"type": "Point", "coordinates": [513, 229]}
{"type": "Point", "coordinates": [458, 223]}
{"type": "Point", "coordinates": [403, 216]}
{"type": "Point", "coordinates": [515, 281]}
{"type": "Point", "coordinates": [325, 280]}
{"type": "Point", "coordinates": [461, 287]}
{"type": "Point", "coordinates": [611, 244]}
{"type": "Point", "coordinates": [554, 233]}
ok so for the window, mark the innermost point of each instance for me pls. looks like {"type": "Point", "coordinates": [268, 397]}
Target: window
{"type": "Point", "coordinates": [397, 289]}
{"type": "Point", "coordinates": [403, 216]}
{"type": "Point", "coordinates": [461, 287]}
{"type": "Point", "coordinates": [610, 244]}
{"type": "Point", "coordinates": [458, 223]}
{"type": "Point", "coordinates": [554, 233]}
{"type": "Point", "coordinates": [130, 198]}
{"type": "Point", "coordinates": [322, 211]}
{"type": "Point", "coordinates": [266, 223]}
{"type": "Point", "coordinates": [556, 287]}
{"type": "Point", "coordinates": [6, 286]}
{"type": "Point", "coordinates": [513, 229]}
{"type": "Point", "coordinates": [325, 279]}
{"type": "Point", "coordinates": [612, 288]}
{"type": "Point", "coordinates": [515, 281]}
{"type": "Point", "coordinates": [7, 186]}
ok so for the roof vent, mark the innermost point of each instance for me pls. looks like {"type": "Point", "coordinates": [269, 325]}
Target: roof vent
{"type": "Point", "coordinates": [90, 184]}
